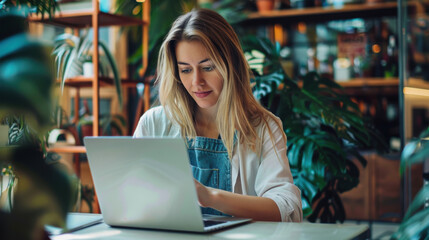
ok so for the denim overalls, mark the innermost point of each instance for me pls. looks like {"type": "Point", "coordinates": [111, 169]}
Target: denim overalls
{"type": "Point", "coordinates": [210, 165]}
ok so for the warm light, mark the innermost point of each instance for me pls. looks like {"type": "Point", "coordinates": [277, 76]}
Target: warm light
{"type": "Point", "coordinates": [416, 91]}
{"type": "Point", "coordinates": [376, 48]}
{"type": "Point", "coordinates": [278, 34]}
{"type": "Point", "coordinates": [137, 9]}
{"type": "Point", "coordinates": [141, 1]}
{"type": "Point", "coordinates": [342, 63]}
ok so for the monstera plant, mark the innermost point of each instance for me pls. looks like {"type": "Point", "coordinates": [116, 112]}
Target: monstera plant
{"type": "Point", "coordinates": [43, 191]}
{"type": "Point", "coordinates": [415, 224]}
{"type": "Point", "coordinates": [324, 127]}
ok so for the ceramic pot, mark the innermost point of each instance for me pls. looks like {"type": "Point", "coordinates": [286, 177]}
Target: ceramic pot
{"type": "Point", "coordinates": [265, 5]}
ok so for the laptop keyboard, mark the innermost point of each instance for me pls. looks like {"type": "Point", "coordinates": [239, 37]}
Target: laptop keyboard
{"type": "Point", "coordinates": [208, 223]}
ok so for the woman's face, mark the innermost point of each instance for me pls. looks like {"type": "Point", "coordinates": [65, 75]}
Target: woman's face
{"type": "Point", "coordinates": [198, 73]}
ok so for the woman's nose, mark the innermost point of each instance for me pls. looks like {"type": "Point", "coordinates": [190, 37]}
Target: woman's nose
{"type": "Point", "coordinates": [198, 78]}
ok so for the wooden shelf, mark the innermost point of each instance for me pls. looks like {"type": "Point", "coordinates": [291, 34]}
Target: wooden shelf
{"type": "Point", "coordinates": [367, 87]}
{"type": "Point", "coordinates": [376, 86]}
{"type": "Point", "coordinates": [384, 82]}
{"type": "Point", "coordinates": [417, 83]}
{"type": "Point", "coordinates": [316, 14]}
{"type": "Point", "coordinates": [82, 81]}
{"type": "Point", "coordinates": [83, 19]}
{"type": "Point", "coordinates": [68, 149]}
{"type": "Point", "coordinates": [369, 82]}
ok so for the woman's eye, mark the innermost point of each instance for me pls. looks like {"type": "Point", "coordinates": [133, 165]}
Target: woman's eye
{"type": "Point", "coordinates": [185, 70]}
{"type": "Point", "coordinates": [208, 69]}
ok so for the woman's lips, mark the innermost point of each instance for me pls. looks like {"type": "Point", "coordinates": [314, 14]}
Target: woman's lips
{"type": "Point", "coordinates": [202, 94]}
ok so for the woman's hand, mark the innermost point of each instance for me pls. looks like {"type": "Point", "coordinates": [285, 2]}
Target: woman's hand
{"type": "Point", "coordinates": [204, 194]}
{"type": "Point", "coordinates": [257, 208]}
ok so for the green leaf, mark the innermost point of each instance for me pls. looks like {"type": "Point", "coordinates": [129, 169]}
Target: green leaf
{"type": "Point", "coordinates": [418, 202]}
{"type": "Point", "coordinates": [306, 207]}
{"type": "Point", "coordinates": [115, 70]}
{"type": "Point", "coordinates": [25, 85]}
{"type": "Point", "coordinates": [307, 155]}
{"type": "Point", "coordinates": [413, 153]}
{"type": "Point", "coordinates": [415, 227]}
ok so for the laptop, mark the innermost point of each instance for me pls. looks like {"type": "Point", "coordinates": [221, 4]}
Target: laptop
{"type": "Point", "coordinates": [148, 183]}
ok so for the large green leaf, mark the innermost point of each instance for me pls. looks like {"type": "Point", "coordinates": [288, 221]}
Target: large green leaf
{"type": "Point", "coordinates": [26, 77]}
{"type": "Point", "coordinates": [415, 151]}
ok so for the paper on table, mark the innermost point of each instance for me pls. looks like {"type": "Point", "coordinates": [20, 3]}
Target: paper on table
{"type": "Point", "coordinates": [75, 221]}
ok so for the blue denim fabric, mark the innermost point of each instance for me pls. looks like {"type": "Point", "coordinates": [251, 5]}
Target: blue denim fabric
{"type": "Point", "coordinates": [210, 165]}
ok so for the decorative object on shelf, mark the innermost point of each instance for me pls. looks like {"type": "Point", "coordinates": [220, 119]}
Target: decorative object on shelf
{"type": "Point", "coordinates": [72, 52]}
{"type": "Point", "coordinates": [43, 193]}
{"type": "Point", "coordinates": [415, 224]}
{"type": "Point", "coordinates": [265, 5]}
{"type": "Point", "coordinates": [342, 69]}
{"type": "Point", "coordinates": [341, 3]}
{"type": "Point", "coordinates": [74, 5]}
{"type": "Point", "coordinates": [302, 3]}
{"type": "Point", "coordinates": [324, 129]}
{"type": "Point", "coordinates": [88, 69]}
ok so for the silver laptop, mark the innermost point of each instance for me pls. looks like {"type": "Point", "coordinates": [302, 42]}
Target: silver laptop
{"type": "Point", "coordinates": [148, 183]}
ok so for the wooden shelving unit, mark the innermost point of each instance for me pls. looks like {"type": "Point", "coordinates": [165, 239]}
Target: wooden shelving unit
{"type": "Point", "coordinates": [82, 82]}
{"type": "Point", "coordinates": [95, 19]}
{"type": "Point", "coordinates": [379, 190]}
{"type": "Point", "coordinates": [68, 149]}
{"type": "Point", "coordinates": [83, 19]}
{"type": "Point", "coordinates": [379, 86]}
{"type": "Point", "coordinates": [358, 86]}
{"type": "Point", "coordinates": [317, 14]}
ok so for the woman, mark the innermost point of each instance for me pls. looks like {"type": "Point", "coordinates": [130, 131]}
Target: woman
{"type": "Point", "coordinates": [236, 147]}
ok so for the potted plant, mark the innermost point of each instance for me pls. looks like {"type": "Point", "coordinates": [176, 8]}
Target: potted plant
{"type": "Point", "coordinates": [324, 129]}
{"type": "Point", "coordinates": [72, 53]}
{"type": "Point", "coordinates": [415, 224]}
{"type": "Point", "coordinates": [26, 82]}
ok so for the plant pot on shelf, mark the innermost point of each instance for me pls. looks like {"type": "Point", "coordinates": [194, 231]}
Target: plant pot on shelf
{"type": "Point", "coordinates": [88, 69]}
{"type": "Point", "coordinates": [265, 5]}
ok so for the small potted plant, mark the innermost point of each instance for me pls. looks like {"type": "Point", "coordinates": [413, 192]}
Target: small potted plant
{"type": "Point", "coordinates": [73, 52]}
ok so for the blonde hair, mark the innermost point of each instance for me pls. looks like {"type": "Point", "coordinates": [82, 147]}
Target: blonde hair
{"type": "Point", "coordinates": [238, 110]}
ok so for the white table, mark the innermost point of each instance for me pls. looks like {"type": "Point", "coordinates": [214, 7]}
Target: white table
{"type": "Point", "coordinates": [254, 230]}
